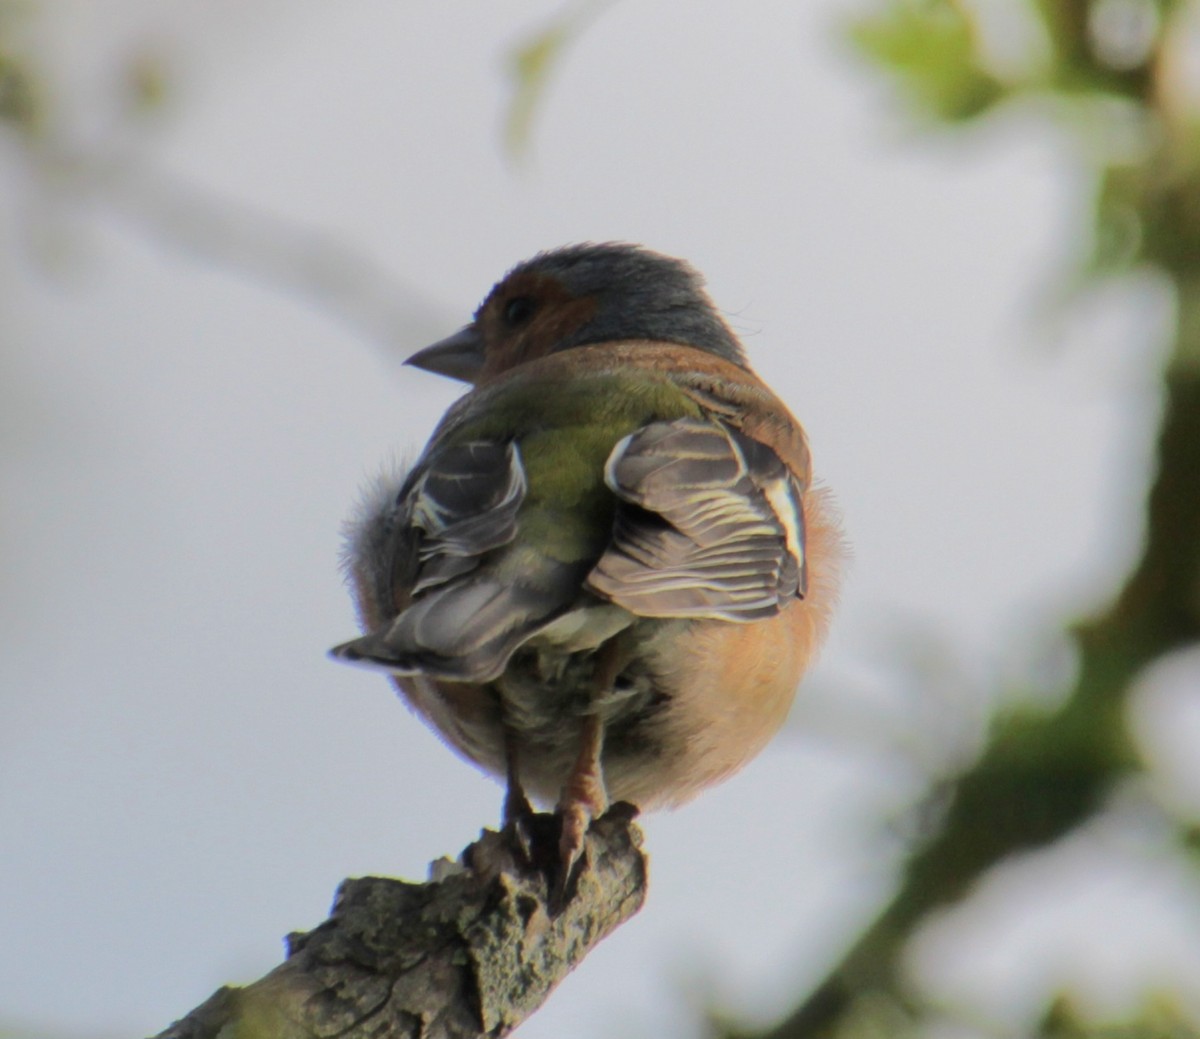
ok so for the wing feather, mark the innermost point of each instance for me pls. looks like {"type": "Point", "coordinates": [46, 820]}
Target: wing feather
{"type": "Point", "coordinates": [466, 613]}
{"type": "Point", "coordinates": [464, 503]}
{"type": "Point", "coordinates": [711, 525]}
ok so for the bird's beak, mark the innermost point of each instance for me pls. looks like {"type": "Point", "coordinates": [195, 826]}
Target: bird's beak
{"type": "Point", "coordinates": [459, 356]}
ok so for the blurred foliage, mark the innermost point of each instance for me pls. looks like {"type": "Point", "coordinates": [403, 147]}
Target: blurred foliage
{"type": "Point", "coordinates": [19, 105]}
{"type": "Point", "coordinates": [1108, 73]}
{"type": "Point", "coordinates": [1159, 1019]}
{"type": "Point", "coordinates": [932, 48]}
{"type": "Point", "coordinates": [531, 64]}
{"type": "Point", "coordinates": [21, 100]}
{"type": "Point", "coordinates": [26, 82]}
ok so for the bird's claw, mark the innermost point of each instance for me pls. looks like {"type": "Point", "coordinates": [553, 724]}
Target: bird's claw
{"type": "Point", "coordinates": [519, 821]}
{"type": "Point", "coordinates": [583, 800]}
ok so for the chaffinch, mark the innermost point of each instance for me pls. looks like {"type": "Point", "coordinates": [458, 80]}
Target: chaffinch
{"type": "Point", "coordinates": [607, 572]}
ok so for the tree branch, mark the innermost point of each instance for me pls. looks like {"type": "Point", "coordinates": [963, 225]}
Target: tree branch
{"type": "Point", "coordinates": [471, 953]}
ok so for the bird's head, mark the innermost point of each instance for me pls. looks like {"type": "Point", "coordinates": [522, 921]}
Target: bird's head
{"type": "Point", "coordinates": [577, 295]}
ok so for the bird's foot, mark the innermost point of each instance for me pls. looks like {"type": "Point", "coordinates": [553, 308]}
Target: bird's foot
{"type": "Point", "coordinates": [519, 815]}
{"type": "Point", "coordinates": [583, 800]}
{"type": "Point", "coordinates": [517, 807]}
{"type": "Point", "coordinates": [523, 840]}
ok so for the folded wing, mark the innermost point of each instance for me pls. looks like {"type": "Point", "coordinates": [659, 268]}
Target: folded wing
{"type": "Point", "coordinates": [470, 606]}
{"type": "Point", "coordinates": [711, 525]}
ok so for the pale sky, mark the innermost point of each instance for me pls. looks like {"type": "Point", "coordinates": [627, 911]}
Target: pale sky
{"type": "Point", "coordinates": [185, 777]}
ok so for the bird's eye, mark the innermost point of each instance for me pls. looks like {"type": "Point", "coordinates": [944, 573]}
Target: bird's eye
{"type": "Point", "coordinates": [518, 311]}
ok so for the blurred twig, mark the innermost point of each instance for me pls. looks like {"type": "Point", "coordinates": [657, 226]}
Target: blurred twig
{"type": "Point", "coordinates": [316, 266]}
{"type": "Point", "coordinates": [110, 176]}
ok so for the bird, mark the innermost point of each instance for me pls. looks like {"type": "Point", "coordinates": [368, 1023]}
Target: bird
{"type": "Point", "coordinates": [605, 575]}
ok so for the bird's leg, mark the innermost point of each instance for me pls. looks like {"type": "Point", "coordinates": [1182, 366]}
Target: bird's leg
{"type": "Point", "coordinates": [584, 796]}
{"type": "Point", "coordinates": [518, 812]}
{"type": "Point", "coordinates": [516, 804]}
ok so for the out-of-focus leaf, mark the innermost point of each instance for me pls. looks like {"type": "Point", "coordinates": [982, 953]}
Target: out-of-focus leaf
{"type": "Point", "coordinates": [1172, 220]}
{"type": "Point", "coordinates": [19, 96]}
{"type": "Point", "coordinates": [1119, 233]}
{"type": "Point", "coordinates": [1189, 840]}
{"type": "Point", "coordinates": [147, 82]}
{"type": "Point", "coordinates": [1159, 1019]}
{"type": "Point", "coordinates": [530, 66]}
{"type": "Point", "coordinates": [1083, 63]}
{"type": "Point", "coordinates": [532, 62]}
{"type": "Point", "coordinates": [933, 47]}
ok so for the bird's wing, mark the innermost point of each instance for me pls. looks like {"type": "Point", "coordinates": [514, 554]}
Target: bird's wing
{"type": "Point", "coordinates": [465, 614]}
{"type": "Point", "coordinates": [711, 525]}
{"type": "Point", "coordinates": [464, 503]}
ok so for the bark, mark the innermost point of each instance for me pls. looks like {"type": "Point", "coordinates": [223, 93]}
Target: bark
{"type": "Point", "coordinates": [473, 952]}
